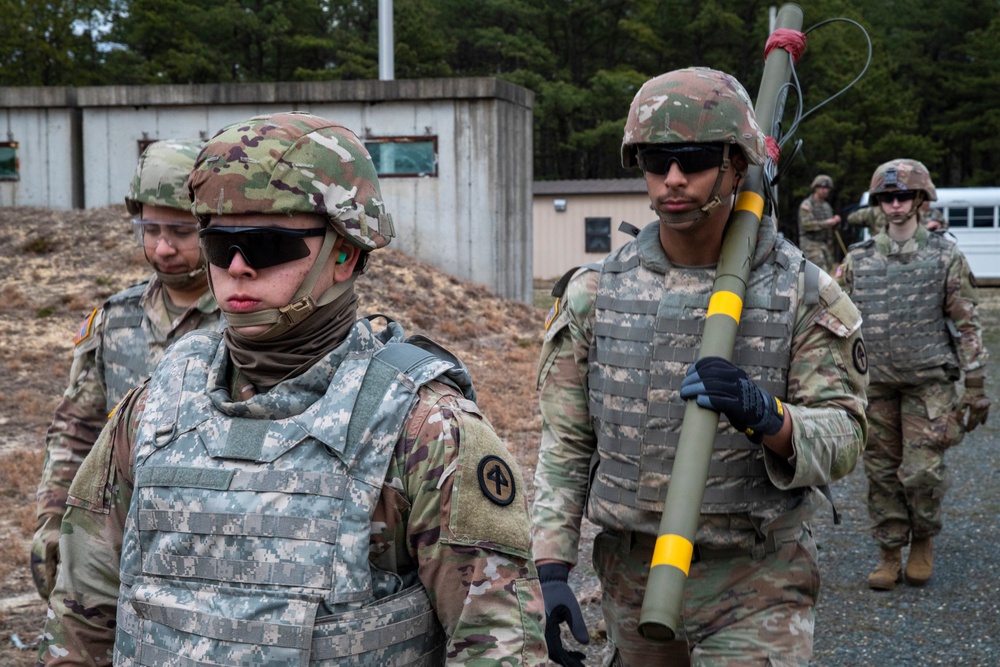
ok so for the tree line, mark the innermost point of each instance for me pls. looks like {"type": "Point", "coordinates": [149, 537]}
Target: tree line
{"type": "Point", "coordinates": [931, 90]}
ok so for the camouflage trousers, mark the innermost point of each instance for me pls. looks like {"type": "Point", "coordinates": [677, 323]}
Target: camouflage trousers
{"type": "Point", "coordinates": [819, 253]}
{"type": "Point", "coordinates": [909, 429]}
{"type": "Point", "coordinates": [736, 612]}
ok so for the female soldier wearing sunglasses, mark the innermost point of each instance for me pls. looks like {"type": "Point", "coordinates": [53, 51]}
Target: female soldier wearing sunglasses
{"type": "Point", "coordinates": [303, 489]}
{"type": "Point", "coordinates": [918, 298]}
{"type": "Point", "coordinates": [616, 368]}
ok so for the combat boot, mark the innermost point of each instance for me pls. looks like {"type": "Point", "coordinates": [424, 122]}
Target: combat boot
{"type": "Point", "coordinates": [920, 563]}
{"type": "Point", "coordinates": [889, 571]}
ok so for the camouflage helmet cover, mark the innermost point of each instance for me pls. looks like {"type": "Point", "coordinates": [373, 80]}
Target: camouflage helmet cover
{"type": "Point", "coordinates": [161, 175]}
{"type": "Point", "coordinates": [293, 162]}
{"type": "Point", "coordinates": [903, 174]}
{"type": "Point", "coordinates": [822, 181]}
{"type": "Point", "coordinates": [693, 105]}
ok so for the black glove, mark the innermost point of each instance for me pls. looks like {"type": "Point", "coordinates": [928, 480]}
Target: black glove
{"type": "Point", "coordinates": [561, 605]}
{"type": "Point", "coordinates": [719, 385]}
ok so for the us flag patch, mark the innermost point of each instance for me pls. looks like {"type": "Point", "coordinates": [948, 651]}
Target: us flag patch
{"type": "Point", "coordinates": [85, 328]}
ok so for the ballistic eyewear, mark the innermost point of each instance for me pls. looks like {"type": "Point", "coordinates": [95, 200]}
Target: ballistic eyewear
{"type": "Point", "coordinates": [690, 158]}
{"type": "Point", "coordinates": [261, 247]}
{"type": "Point", "coordinates": [177, 235]}
{"type": "Point", "coordinates": [902, 196]}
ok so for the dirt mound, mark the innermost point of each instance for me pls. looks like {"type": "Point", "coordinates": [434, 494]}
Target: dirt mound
{"type": "Point", "coordinates": [56, 266]}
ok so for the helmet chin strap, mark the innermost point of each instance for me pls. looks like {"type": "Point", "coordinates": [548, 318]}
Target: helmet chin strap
{"type": "Point", "coordinates": [714, 199]}
{"type": "Point", "coordinates": [302, 306]}
{"type": "Point", "coordinates": [188, 280]}
{"type": "Point", "coordinates": [913, 212]}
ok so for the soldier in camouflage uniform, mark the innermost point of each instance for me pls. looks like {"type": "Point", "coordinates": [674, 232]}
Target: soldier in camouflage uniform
{"type": "Point", "coordinates": [874, 219]}
{"type": "Point", "coordinates": [816, 224]}
{"type": "Point", "coordinates": [119, 344]}
{"type": "Point", "coordinates": [616, 368]}
{"type": "Point", "coordinates": [302, 489]}
{"type": "Point", "coordinates": [918, 298]}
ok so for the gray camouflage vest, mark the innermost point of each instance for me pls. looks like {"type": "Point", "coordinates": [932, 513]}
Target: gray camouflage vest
{"type": "Point", "coordinates": [130, 352]}
{"type": "Point", "coordinates": [645, 337]}
{"type": "Point", "coordinates": [247, 540]}
{"type": "Point", "coordinates": [907, 334]}
{"type": "Point", "coordinates": [131, 347]}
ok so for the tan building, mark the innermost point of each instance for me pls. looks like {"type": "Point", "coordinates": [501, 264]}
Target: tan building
{"type": "Point", "coordinates": [576, 222]}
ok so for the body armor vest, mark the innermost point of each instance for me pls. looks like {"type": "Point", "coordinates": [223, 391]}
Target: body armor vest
{"type": "Point", "coordinates": [902, 301]}
{"type": "Point", "coordinates": [130, 351]}
{"type": "Point", "coordinates": [247, 540]}
{"type": "Point", "coordinates": [131, 347]}
{"type": "Point", "coordinates": [645, 338]}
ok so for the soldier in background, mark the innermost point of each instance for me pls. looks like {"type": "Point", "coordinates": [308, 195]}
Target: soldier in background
{"type": "Point", "coordinates": [302, 488]}
{"type": "Point", "coordinates": [816, 225]}
{"type": "Point", "coordinates": [615, 370]}
{"type": "Point", "coordinates": [918, 299]}
{"type": "Point", "coordinates": [874, 219]}
{"type": "Point", "coordinates": [119, 344]}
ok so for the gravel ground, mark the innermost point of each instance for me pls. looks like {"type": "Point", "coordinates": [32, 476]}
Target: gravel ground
{"type": "Point", "coordinates": [953, 620]}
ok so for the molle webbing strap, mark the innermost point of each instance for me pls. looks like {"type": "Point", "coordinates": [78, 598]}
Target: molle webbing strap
{"type": "Point", "coordinates": [228, 629]}
{"type": "Point", "coordinates": [355, 633]}
{"type": "Point", "coordinates": [118, 320]}
{"type": "Point", "coordinates": [741, 468]}
{"type": "Point", "coordinates": [660, 438]}
{"type": "Point", "coordinates": [284, 481]}
{"type": "Point", "coordinates": [237, 571]}
{"type": "Point", "coordinates": [234, 523]}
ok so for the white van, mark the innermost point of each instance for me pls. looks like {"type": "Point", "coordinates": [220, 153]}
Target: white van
{"type": "Point", "coordinates": [973, 216]}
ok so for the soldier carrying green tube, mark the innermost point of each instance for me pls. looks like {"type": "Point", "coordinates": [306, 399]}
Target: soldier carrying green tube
{"type": "Point", "coordinates": [623, 352]}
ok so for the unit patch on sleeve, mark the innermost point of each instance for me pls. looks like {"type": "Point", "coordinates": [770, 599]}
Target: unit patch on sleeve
{"type": "Point", "coordinates": [860, 356]}
{"type": "Point", "coordinates": [496, 480]}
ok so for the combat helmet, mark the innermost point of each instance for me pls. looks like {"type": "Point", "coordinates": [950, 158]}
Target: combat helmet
{"type": "Point", "coordinates": [160, 179]}
{"type": "Point", "coordinates": [902, 174]}
{"type": "Point", "coordinates": [161, 175]}
{"type": "Point", "coordinates": [287, 163]}
{"type": "Point", "coordinates": [821, 181]}
{"type": "Point", "coordinates": [693, 105]}
{"type": "Point", "coordinates": [293, 162]}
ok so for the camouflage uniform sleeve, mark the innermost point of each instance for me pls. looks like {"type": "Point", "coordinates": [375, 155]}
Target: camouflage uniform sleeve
{"type": "Point", "coordinates": [568, 443]}
{"type": "Point", "coordinates": [827, 381]}
{"type": "Point", "coordinates": [809, 217]}
{"type": "Point", "coordinates": [79, 418]}
{"type": "Point", "coordinates": [867, 216]}
{"type": "Point", "coordinates": [961, 299]}
{"type": "Point", "coordinates": [461, 521]}
{"type": "Point", "coordinates": [80, 629]}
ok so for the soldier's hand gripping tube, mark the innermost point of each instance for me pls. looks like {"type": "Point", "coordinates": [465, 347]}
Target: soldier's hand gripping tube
{"type": "Point", "coordinates": [722, 386]}
{"type": "Point", "coordinates": [661, 604]}
{"type": "Point", "coordinates": [561, 605]}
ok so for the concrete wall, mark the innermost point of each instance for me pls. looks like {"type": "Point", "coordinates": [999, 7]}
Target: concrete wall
{"type": "Point", "coordinates": [472, 220]}
{"type": "Point", "coordinates": [559, 235]}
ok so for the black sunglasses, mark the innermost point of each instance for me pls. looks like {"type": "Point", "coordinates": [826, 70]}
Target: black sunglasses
{"type": "Point", "coordinates": [690, 158]}
{"type": "Point", "coordinates": [261, 247]}
{"type": "Point", "coordinates": [901, 196]}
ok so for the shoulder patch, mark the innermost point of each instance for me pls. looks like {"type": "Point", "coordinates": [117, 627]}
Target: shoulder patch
{"type": "Point", "coordinates": [86, 328]}
{"type": "Point", "coordinates": [553, 314]}
{"type": "Point", "coordinates": [859, 355]}
{"type": "Point", "coordinates": [496, 480]}
{"type": "Point", "coordinates": [488, 506]}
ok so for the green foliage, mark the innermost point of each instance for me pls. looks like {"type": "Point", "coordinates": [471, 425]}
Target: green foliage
{"type": "Point", "coordinates": [932, 89]}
